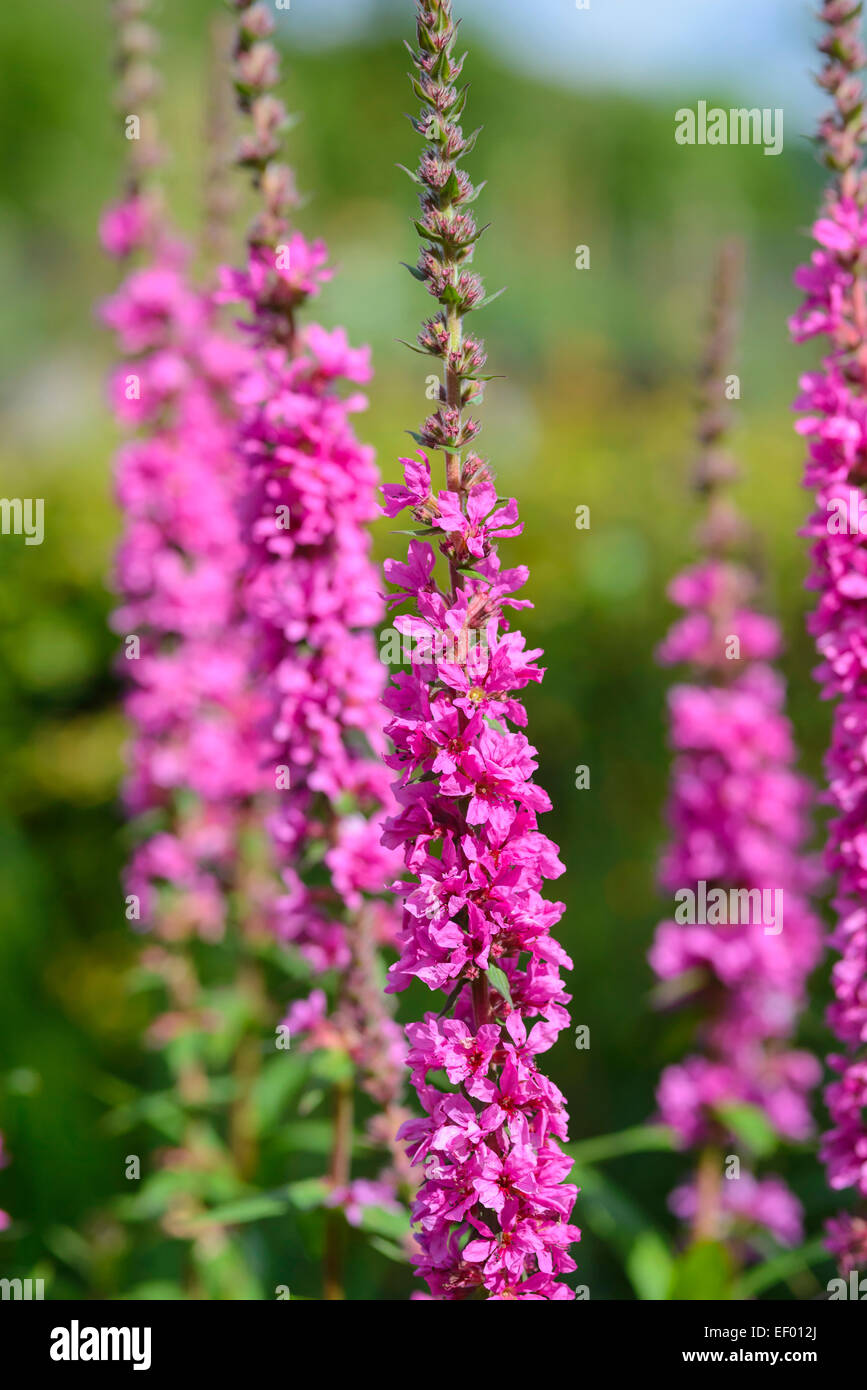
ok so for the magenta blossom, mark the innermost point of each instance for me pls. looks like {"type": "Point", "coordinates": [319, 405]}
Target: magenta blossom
{"type": "Point", "coordinates": [310, 597]}
{"type": "Point", "coordinates": [834, 424]}
{"type": "Point", "coordinates": [738, 813]}
{"type": "Point", "coordinates": [493, 1210]}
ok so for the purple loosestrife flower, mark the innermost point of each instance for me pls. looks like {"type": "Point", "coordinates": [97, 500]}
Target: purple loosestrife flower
{"type": "Point", "coordinates": [737, 810]}
{"type": "Point", "coordinates": [194, 756]}
{"type": "Point", "coordinates": [194, 761]}
{"type": "Point", "coordinates": [312, 600]}
{"type": "Point", "coordinates": [494, 1206]}
{"type": "Point", "coordinates": [835, 426]}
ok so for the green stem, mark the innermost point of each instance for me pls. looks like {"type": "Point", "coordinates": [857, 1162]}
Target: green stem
{"type": "Point", "coordinates": [341, 1157]}
{"type": "Point", "coordinates": [708, 1196]}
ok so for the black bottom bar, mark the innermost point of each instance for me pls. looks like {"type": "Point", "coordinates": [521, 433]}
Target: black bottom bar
{"type": "Point", "coordinates": [67, 1339]}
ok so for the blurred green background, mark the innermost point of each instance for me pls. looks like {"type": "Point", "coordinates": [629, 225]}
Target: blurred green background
{"type": "Point", "coordinates": [596, 407]}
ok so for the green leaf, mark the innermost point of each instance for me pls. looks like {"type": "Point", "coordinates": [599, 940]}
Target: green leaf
{"type": "Point", "coordinates": [470, 141]}
{"type": "Point", "coordinates": [307, 1194]}
{"type": "Point", "coordinates": [704, 1271]}
{"type": "Point", "coordinates": [281, 1078]}
{"type": "Point", "coordinates": [638, 1139]}
{"type": "Point", "coordinates": [332, 1064]}
{"type": "Point", "coordinates": [382, 1221]}
{"type": "Point", "coordinates": [258, 1208]}
{"type": "Point", "coordinates": [315, 1137]}
{"type": "Point", "coordinates": [455, 110]}
{"type": "Point", "coordinates": [422, 352]}
{"type": "Point", "coordinates": [429, 235]}
{"type": "Point", "coordinates": [450, 295]}
{"type": "Point", "coordinates": [750, 1124]}
{"type": "Point", "coordinates": [389, 1249]}
{"type": "Point", "coordinates": [160, 1110]}
{"type": "Point", "coordinates": [154, 1291]}
{"type": "Point", "coordinates": [650, 1266]}
{"type": "Point", "coordinates": [781, 1268]}
{"type": "Point", "coordinates": [608, 1212]}
{"type": "Point", "coordinates": [452, 188]}
{"type": "Point", "coordinates": [489, 298]}
{"type": "Point", "coordinates": [500, 981]}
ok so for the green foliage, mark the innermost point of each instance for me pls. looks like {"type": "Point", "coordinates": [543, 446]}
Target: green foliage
{"type": "Point", "coordinates": [703, 1272]}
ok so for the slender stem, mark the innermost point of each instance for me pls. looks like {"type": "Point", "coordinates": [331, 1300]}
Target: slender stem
{"type": "Point", "coordinates": [243, 1129]}
{"type": "Point", "coordinates": [708, 1195]}
{"type": "Point", "coordinates": [481, 1001]}
{"type": "Point", "coordinates": [453, 467]}
{"type": "Point", "coordinates": [341, 1159]}
{"type": "Point", "coordinates": [219, 196]}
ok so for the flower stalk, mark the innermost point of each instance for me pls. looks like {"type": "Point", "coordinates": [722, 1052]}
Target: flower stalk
{"type": "Point", "coordinates": [311, 601]}
{"type": "Point", "coordinates": [193, 767]}
{"type": "Point", "coordinates": [738, 813]}
{"type": "Point", "coordinates": [833, 399]}
{"type": "Point", "coordinates": [492, 1212]}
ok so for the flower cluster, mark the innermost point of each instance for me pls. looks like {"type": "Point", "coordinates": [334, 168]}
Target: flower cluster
{"type": "Point", "coordinates": [310, 595]}
{"type": "Point", "coordinates": [835, 426]}
{"type": "Point", "coordinates": [738, 813]}
{"type": "Point", "coordinates": [494, 1205]}
{"type": "Point", "coordinates": [194, 758]}
{"type": "Point", "coordinates": [194, 765]}
{"type": "Point", "coordinates": [178, 569]}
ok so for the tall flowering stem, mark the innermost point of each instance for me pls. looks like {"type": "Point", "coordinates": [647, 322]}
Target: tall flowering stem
{"type": "Point", "coordinates": [193, 762]}
{"type": "Point", "coordinates": [738, 813]}
{"type": "Point", "coordinates": [312, 602]}
{"type": "Point", "coordinates": [834, 398]}
{"type": "Point", "coordinates": [493, 1208]}
{"type": "Point", "coordinates": [220, 194]}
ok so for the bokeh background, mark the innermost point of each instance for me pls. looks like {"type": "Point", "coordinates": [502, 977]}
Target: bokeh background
{"type": "Point", "coordinates": [595, 407]}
